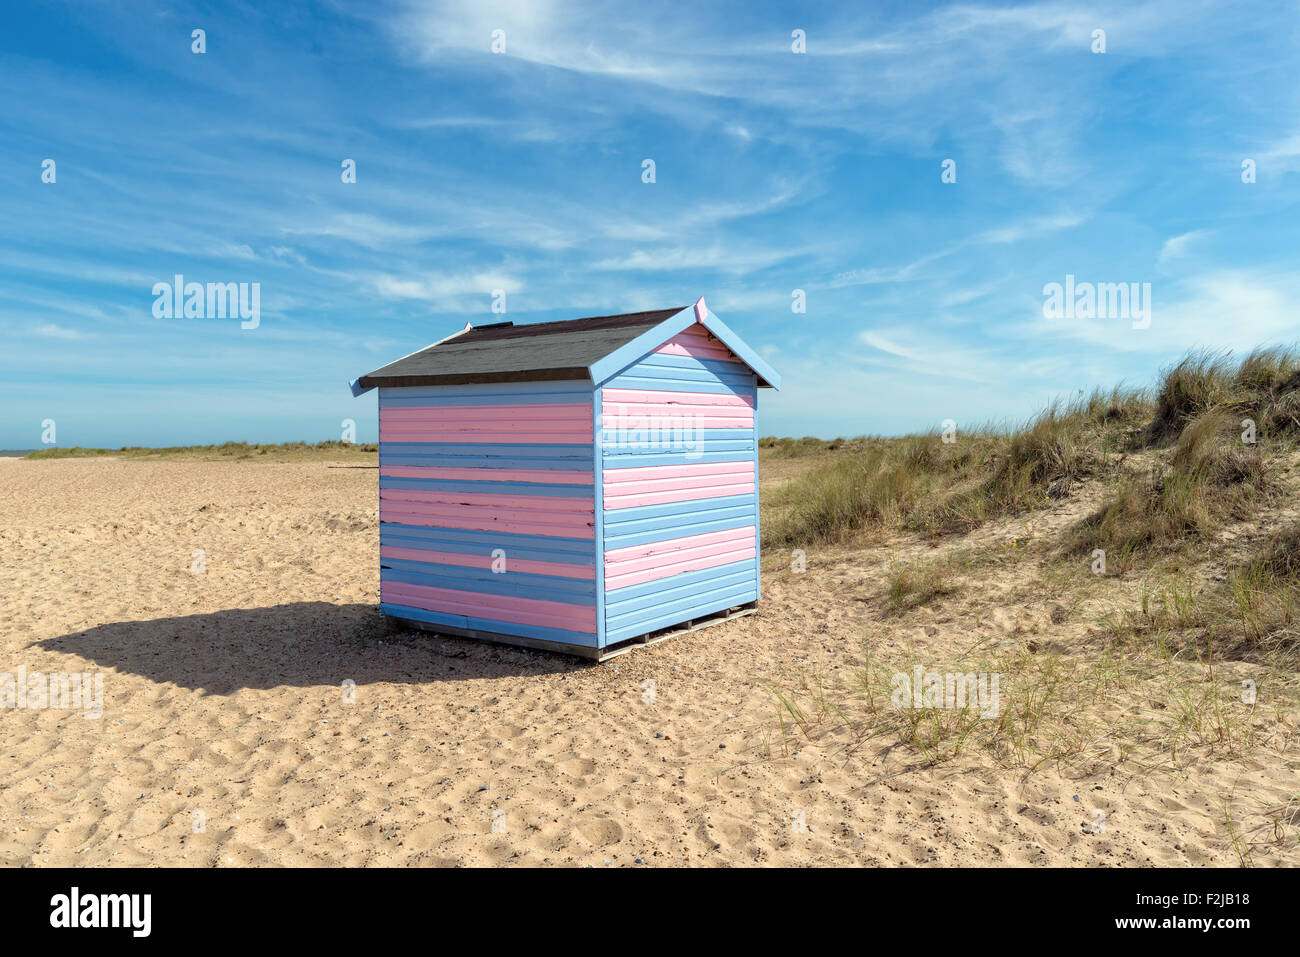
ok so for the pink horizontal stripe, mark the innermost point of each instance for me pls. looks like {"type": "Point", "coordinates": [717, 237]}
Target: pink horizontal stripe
{"type": "Point", "coordinates": [520, 427]}
{"type": "Point", "coordinates": [670, 545]}
{"type": "Point", "coordinates": [487, 413]}
{"type": "Point", "coordinates": [633, 418]}
{"type": "Point", "coordinates": [527, 566]}
{"type": "Point", "coordinates": [654, 574]}
{"type": "Point", "coordinates": [677, 411]}
{"type": "Point", "coordinates": [470, 524]}
{"type": "Point", "coordinates": [563, 523]}
{"type": "Point", "coordinates": [694, 399]}
{"type": "Point", "coordinates": [683, 483]}
{"type": "Point", "coordinates": [696, 342]}
{"type": "Point", "coordinates": [520, 611]}
{"type": "Point", "coordinates": [437, 433]}
{"type": "Point", "coordinates": [698, 350]}
{"type": "Point", "coordinates": [644, 472]}
{"type": "Point", "coordinates": [550, 476]}
{"type": "Point", "coordinates": [480, 520]}
{"type": "Point", "coordinates": [530, 504]}
{"type": "Point", "coordinates": [651, 561]}
{"type": "Point", "coordinates": [676, 495]}
{"type": "Point", "coordinates": [676, 550]}
{"type": "Point", "coordinates": [640, 571]}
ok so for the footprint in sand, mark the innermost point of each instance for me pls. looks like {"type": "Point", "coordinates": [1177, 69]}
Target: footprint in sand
{"type": "Point", "coordinates": [601, 831]}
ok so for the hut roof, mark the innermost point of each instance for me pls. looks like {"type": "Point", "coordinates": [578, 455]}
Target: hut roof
{"type": "Point", "coordinates": [567, 349]}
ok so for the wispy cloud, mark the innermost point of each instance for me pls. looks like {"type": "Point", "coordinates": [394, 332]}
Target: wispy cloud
{"type": "Point", "coordinates": [1282, 156]}
{"type": "Point", "coordinates": [435, 288]}
{"type": "Point", "coordinates": [49, 330]}
{"type": "Point", "coordinates": [923, 355]}
{"type": "Point", "coordinates": [1176, 247]}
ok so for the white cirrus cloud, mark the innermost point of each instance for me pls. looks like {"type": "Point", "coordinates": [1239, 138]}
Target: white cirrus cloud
{"type": "Point", "coordinates": [49, 330]}
{"type": "Point", "coordinates": [1176, 247]}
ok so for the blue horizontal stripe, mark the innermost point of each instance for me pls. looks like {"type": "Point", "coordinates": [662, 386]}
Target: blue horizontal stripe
{"type": "Point", "coordinates": [674, 458]}
{"type": "Point", "coordinates": [423, 401]}
{"type": "Point", "coordinates": [669, 373]}
{"type": "Point", "coordinates": [627, 619]}
{"type": "Point", "coordinates": [479, 455]}
{"type": "Point", "coordinates": [632, 380]}
{"type": "Point", "coordinates": [674, 511]}
{"type": "Point", "coordinates": [479, 488]}
{"type": "Point", "coordinates": [578, 551]}
{"type": "Point", "coordinates": [622, 601]}
{"type": "Point", "coordinates": [506, 392]}
{"type": "Point", "coordinates": [657, 523]}
{"type": "Point", "coordinates": [482, 624]}
{"type": "Point", "coordinates": [667, 365]}
{"type": "Point", "coordinates": [659, 365]}
{"type": "Point", "coordinates": [667, 441]}
{"type": "Point", "coordinates": [680, 613]}
{"type": "Point", "coordinates": [644, 535]}
{"type": "Point", "coordinates": [572, 591]}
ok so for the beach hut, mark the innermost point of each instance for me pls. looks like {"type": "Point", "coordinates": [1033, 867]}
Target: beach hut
{"type": "Point", "coordinates": [582, 486]}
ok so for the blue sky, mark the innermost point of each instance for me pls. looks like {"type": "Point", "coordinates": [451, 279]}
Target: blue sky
{"type": "Point", "coordinates": [522, 171]}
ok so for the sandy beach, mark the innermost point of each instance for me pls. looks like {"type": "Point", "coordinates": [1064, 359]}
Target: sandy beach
{"type": "Point", "coordinates": [255, 712]}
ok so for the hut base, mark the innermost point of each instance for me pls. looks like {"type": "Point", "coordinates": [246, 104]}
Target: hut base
{"type": "Point", "coordinates": [579, 651]}
{"type": "Point", "coordinates": [695, 624]}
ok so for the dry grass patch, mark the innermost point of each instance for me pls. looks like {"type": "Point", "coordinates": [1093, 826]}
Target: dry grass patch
{"type": "Point", "coordinates": [912, 584]}
{"type": "Point", "coordinates": [1253, 614]}
{"type": "Point", "coordinates": [1265, 386]}
{"type": "Point", "coordinates": [1211, 477]}
{"type": "Point", "coordinates": [1078, 714]}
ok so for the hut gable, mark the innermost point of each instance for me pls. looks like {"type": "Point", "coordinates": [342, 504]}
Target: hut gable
{"type": "Point", "coordinates": [679, 485]}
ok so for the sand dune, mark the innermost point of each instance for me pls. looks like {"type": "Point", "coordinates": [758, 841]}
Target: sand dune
{"type": "Point", "coordinates": [231, 734]}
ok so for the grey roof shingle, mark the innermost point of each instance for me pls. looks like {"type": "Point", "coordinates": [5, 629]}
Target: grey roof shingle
{"type": "Point", "coordinates": [503, 352]}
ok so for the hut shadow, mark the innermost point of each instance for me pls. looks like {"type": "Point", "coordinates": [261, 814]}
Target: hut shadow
{"type": "Point", "coordinates": [303, 644]}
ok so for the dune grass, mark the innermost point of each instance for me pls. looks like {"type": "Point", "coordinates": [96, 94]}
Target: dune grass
{"type": "Point", "coordinates": [1207, 429]}
{"type": "Point", "coordinates": [925, 483]}
{"type": "Point", "coordinates": [1216, 424]}
{"type": "Point", "coordinates": [1264, 386]}
{"type": "Point", "coordinates": [1209, 477]}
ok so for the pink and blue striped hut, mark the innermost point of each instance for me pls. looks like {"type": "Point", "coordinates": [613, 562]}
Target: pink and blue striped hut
{"type": "Point", "coordinates": [582, 486]}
